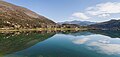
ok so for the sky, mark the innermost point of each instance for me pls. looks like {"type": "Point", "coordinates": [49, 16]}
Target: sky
{"type": "Point", "coordinates": [69, 10]}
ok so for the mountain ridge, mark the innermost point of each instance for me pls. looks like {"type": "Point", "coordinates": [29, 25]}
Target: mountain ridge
{"type": "Point", "coordinates": [108, 25]}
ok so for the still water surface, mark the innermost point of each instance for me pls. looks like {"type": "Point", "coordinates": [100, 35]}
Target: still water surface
{"type": "Point", "coordinates": [60, 44]}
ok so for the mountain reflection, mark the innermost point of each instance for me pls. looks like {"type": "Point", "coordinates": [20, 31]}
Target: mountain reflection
{"type": "Point", "coordinates": [32, 44]}
{"type": "Point", "coordinates": [15, 41]}
{"type": "Point", "coordinates": [112, 34]}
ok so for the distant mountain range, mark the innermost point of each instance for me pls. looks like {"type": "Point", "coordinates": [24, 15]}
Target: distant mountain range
{"type": "Point", "coordinates": [108, 25]}
{"type": "Point", "coordinates": [12, 16]}
{"type": "Point", "coordinates": [81, 23]}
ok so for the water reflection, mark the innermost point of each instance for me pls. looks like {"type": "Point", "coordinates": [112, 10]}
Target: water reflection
{"type": "Point", "coordinates": [112, 34]}
{"type": "Point", "coordinates": [103, 44]}
{"type": "Point", "coordinates": [15, 41]}
{"type": "Point", "coordinates": [60, 44]}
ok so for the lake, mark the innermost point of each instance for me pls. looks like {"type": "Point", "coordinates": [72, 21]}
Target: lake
{"type": "Point", "coordinates": [60, 44]}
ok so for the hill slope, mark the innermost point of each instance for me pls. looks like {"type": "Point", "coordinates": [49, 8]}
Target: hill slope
{"type": "Point", "coordinates": [109, 25]}
{"type": "Point", "coordinates": [18, 17]}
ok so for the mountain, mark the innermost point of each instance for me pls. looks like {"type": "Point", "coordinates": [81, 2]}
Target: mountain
{"type": "Point", "coordinates": [12, 16]}
{"type": "Point", "coordinates": [108, 25]}
{"type": "Point", "coordinates": [81, 23]}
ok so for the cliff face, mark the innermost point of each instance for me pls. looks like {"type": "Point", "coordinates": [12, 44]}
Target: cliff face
{"type": "Point", "coordinates": [12, 16]}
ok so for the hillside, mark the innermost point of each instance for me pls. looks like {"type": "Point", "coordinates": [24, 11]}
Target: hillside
{"type": "Point", "coordinates": [108, 25]}
{"type": "Point", "coordinates": [12, 16]}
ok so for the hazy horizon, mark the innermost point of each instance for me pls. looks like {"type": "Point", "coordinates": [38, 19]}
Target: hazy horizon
{"type": "Point", "coordinates": [70, 10]}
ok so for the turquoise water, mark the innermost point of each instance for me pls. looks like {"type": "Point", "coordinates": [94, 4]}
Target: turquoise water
{"type": "Point", "coordinates": [61, 44]}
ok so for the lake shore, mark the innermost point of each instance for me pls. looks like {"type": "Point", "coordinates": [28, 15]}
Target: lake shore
{"type": "Point", "coordinates": [42, 29]}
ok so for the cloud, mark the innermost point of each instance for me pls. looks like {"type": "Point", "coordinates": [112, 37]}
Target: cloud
{"type": "Point", "coordinates": [81, 41]}
{"type": "Point", "coordinates": [104, 15]}
{"type": "Point", "coordinates": [80, 15]}
{"type": "Point", "coordinates": [118, 18]}
{"type": "Point", "coordinates": [106, 48]}
{"type": "Point", "coordinates": [104, 9]}
{"type": "Point", "coordinates": [99, 11]}
{"type": "Point", "coordinates": [103, 45]}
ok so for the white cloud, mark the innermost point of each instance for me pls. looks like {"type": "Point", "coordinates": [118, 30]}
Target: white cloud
{"type": "Point", "coordinates": [80, 15]}
{"type": "Point", "coordinates": [104, 15]}
{"type": "Point", "coordinates": [106, 48]}
{"type": "Point", "coordinates": [99, 11]}
{"type": "Point", "coordinates": [81, 41]}
{"type": "Point", "coordinates": [103, 45]}
{"type": "Point", "coordinates": [118, 18]}
{"type": "Point", "coordinates": [104, 8]}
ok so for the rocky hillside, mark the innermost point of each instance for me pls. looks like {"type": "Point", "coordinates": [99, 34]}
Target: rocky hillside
{"type": "Point", "coordinates": [109, 25]}
{"type": "Point", "coordinates": [12, 16]}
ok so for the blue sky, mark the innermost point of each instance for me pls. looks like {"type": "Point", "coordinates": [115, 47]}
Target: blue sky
{"type": "Point", "coordinates": [68, 10]}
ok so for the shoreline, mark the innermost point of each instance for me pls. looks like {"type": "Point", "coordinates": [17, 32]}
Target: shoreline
{"type": "Point", "coordinates": [50, 29]}
{"type": "Point", "coordinates": [43, 29]}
